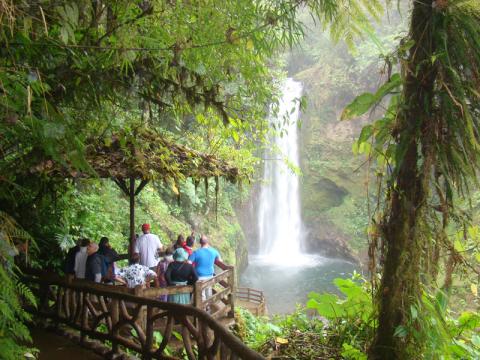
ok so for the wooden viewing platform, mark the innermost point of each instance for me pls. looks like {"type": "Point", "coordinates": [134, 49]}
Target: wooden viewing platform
{"type": "Point", "coordinates": [134, 319]}
{"type": "Point", "coordinates": [251, 299]}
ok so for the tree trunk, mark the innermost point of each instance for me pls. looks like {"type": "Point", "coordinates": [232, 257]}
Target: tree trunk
{"type": "Point", "coordinates": [400, 285]}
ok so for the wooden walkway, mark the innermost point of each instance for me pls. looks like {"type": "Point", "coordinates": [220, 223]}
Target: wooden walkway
{"type": "Point", "coordinates": [134, 319]}
{"type": "Point", "coordinates": [251, 299]}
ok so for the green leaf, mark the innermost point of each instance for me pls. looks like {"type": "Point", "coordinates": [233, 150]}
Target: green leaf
{"type": "Point", "coordinates": [473, 232]}
{"type": "Point", "coordinates": [326, 305]}
{"type": "Point", "coordinates": [351, 353]}
{"type": "Point", "coordinates": [361, 104]}
{"type": "Point", "coordinates": [64, 34]}
{"type": "Point", "coordinates": [476, 340]}
{"type": "Point", "coordinates": [367, 131]}
{"type": "Point", "coordinates": [400, 331]}
{"type": "Point", "coordinates": [395, 82]}
{"type": "Point", "coordinates": [458, 246]}
{"type": "Point", "coordinates": [413, 312]}
{"type": "Point", "coordinates": [348, 287]}
{"type": "Point", "coordinates": [469, 320]}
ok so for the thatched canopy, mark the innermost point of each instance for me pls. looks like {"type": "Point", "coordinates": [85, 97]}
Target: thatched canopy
{"type": "Point", "coordinates": [146, 155]}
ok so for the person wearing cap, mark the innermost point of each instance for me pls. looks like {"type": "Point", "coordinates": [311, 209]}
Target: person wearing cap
{"type": "Point", "coordinates": [180, 272]}
{"type": "Point", "coordinates": [147, 247]}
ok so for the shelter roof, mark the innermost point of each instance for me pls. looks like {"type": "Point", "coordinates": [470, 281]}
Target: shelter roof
{"type": "Point", "coordinates": [144, 155]}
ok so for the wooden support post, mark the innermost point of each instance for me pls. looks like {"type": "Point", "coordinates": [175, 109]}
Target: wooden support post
{"type": "Point", "coordinates": [131, 195]}
{"type": "Point", "coordinates": [149, 334]}
{"type": "Point", "coordinates": [59, 304]}
{"type": "Point", "coordinates": [197, 295]}
{"type": "Point", "coordinates": [231, 284]}
{"type": "Point", "coordinates": [84, 318]}
{"type": "Point", "coordinates": [115, 315]}
{"type": "Point", "coordinates": [131, 192]}
{"type": "Point", "coordinates": [121, 184]}
{"type": "Point", "coordinates": [141, 186]}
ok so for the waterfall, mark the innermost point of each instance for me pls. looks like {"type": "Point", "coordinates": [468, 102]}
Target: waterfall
{"type": "Point", "coordinates": [280, 223]}
{"type": "Point", "coordinates": [281, 269]}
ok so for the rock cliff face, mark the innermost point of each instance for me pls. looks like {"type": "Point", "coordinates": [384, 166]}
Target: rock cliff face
{"type": "Point", "coordinates": [335, 181]}
{"type": "Point", "coordinates": [332, 186]}
{"type": "Point", "coordinates": [247, 217]}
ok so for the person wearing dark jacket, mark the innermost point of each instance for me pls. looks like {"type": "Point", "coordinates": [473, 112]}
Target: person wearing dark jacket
{"type": "Point", "coordinates": [110, 256]}
{"type": "Point", "coordinates": [180, 272]}
{"type": "Point", "coordinates": [69, 265]}
{"type": "Point", "coordinates": [94, 265]}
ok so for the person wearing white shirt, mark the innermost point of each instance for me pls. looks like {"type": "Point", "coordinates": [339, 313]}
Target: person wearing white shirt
{"type": "Point", "coordinates": [147, 247]}
{"type": "Point", "coordinates": [81, 259]}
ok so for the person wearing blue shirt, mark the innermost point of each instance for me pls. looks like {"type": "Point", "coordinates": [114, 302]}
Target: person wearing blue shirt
{"type": "Point", "coordinates": [204, 260]}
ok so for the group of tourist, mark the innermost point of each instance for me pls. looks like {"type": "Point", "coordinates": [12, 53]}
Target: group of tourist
{"type": "Point", "coordinates": [91, 261]}
{"type": "Point", "coordinates": [172, 266]}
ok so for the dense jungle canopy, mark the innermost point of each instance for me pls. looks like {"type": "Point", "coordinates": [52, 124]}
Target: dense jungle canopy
{"type": "Point", "coordinates": [178, 93]}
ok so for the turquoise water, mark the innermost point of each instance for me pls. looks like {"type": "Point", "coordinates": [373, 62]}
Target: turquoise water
{"type": "Point", "coordinates": [286, 283]}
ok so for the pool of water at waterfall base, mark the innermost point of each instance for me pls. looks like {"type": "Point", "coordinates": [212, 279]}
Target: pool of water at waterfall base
{"type": "Point", "coordinates": [286, 282]}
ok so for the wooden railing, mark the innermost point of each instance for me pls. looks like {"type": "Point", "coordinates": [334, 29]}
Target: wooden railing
{"type": "Point", "coordinates": [254, 297]}
{"type": "Point", "coordinates": [220, 304]}
{"type": "Point", "coordinates": [120, 319]}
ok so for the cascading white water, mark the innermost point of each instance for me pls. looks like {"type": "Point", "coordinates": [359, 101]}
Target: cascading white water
{"type": "Point", "coordinates": [281, 269]}
{"type": "Point", "coordinates": [280, 224]}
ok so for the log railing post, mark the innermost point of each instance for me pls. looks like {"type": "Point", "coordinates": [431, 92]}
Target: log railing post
{"type": "Point", "coordinates": [147, 355]}
{"type": "Point", "coordinates": [197, 295]}
{"type": "Point", "coordinates": [84, 320]}
{"type": "Point", "coordinates": [114, 314]}
{"type": "Point", "coordinates": [120, 310]}
{"type": "Point", "coordinates": [59, 305]}
{"type": "Point", "coordinates": [231, 284]}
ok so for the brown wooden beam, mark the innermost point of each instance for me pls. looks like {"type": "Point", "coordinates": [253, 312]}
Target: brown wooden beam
{"type": "Point", "coordinates": [141, 186]}
{"type": "Point", "coordinates": [122, 185]}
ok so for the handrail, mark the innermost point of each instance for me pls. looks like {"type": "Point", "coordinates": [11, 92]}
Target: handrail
{"type": "Point", "coordinates": [224, 282]}
{"type": "Point", "coordinates": [254, 297]}
{"type": "Point", "coordinates": [85, 307]}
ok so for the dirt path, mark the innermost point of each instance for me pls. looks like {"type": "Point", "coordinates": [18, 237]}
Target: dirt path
{"type": "Point", "coordinates": [55, 347]}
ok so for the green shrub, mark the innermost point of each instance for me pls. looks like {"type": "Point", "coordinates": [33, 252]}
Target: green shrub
{"type": "Point", "coordinates": [350, 318]}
